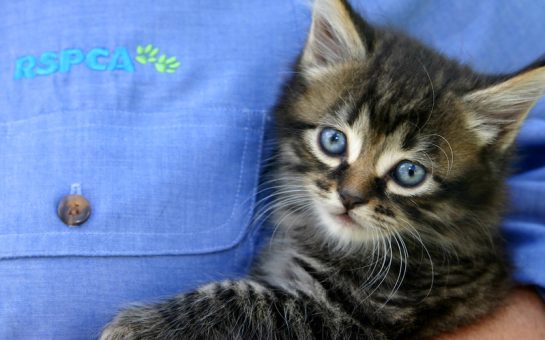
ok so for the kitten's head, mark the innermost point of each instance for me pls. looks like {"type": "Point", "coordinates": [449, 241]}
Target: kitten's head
{"type": "Point", "coordinates": [379, 135]}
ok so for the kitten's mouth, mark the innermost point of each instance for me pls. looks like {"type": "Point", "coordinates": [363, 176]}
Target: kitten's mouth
{"type": "Point", "coordinates": [346, 220]}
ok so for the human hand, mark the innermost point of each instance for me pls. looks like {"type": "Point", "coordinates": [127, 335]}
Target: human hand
{"type": "Point", "coordinates": [522, 317]}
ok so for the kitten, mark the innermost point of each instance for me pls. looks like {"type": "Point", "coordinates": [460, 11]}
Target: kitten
{"type": "Point", "coordinates": [391, 168]}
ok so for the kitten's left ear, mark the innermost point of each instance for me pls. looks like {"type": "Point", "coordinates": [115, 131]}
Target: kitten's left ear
{"type": "Point", "coordinates": [334, 35]}
{"type": "Point", "coordinates": [497, 112]}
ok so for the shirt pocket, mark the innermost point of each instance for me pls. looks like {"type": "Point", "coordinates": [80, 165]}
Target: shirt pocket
{"type": "Point", "coordinates": [181, 181]}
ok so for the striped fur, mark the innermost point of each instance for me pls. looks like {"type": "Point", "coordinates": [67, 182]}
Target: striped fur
{"type": "Point", "coordinates": [406, 262]}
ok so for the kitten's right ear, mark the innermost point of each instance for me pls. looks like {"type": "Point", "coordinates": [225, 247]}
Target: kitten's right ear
{"type": "Point", "coordinates": [333, 36]}
{"type": "Point", "coordinates": [497, 112]}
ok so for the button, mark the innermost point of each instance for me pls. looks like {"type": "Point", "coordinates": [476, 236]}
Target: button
{"type": "Point", "coordinates": [74, 210]}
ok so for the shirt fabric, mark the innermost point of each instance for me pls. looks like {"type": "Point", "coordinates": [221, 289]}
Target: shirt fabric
{"type": "Point", "coordinates": [168, 152]}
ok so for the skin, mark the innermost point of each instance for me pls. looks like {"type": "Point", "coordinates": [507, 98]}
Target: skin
{"type": "Point", "coordinates": [522, 317]}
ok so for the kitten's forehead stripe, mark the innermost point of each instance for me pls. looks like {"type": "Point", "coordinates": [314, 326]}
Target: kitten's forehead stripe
{"type": "Point", "coordinates": [358, 135]}
{"type": "Point", "coordinates": [410, 139]}
{"type": "Point", "coordinates": [356, 111]}
{"type": "Point", "coordinates": [301, 125]}
{"type": "Point", "coordinates": [340, 106]}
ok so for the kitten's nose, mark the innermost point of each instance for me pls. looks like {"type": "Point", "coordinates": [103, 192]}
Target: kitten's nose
{"type": "Point", "coordinates": [351, 198]}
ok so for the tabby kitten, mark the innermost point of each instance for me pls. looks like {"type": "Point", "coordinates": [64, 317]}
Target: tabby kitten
{"type": "Point", "coordinates": [390, 169]}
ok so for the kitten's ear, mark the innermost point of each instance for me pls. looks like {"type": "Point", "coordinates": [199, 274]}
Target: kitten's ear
{"type": "Point", "coordinates": [333, 35]}
{"type": "Point", "coordinates": [497, 112]}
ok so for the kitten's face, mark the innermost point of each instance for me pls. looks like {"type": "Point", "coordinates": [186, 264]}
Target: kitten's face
{"type": "Point", "coordinates": [382, 136]}
{"type": "Point", "coordinates": [370, 166]}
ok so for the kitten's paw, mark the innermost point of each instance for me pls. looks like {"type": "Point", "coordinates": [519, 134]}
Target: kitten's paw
{"type": "Point", "coordinates": [120, 329]}
{"type": "Point", "coordinates": [133, 323]}
{"type": "Point", "coordinates": [115, 332]}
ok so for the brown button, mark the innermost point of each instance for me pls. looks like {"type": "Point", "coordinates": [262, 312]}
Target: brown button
{"type": "Point", "coordinates": [74, 210]}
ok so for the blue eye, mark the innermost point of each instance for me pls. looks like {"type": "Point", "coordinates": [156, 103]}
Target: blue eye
{"type": "Point", "coordinates": [332, 141]}
{"type": "Point", "coordinates": [409, 174]}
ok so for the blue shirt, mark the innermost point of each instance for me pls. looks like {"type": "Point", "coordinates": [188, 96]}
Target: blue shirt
{"type": "Point", "coordinates": [168, 151]}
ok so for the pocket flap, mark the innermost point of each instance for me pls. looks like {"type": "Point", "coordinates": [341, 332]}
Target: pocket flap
{"type": "Point", "coordinates": [177, 182]}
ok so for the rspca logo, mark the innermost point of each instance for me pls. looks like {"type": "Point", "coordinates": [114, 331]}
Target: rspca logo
{"type": "Point", "coordinates": [95, 59]}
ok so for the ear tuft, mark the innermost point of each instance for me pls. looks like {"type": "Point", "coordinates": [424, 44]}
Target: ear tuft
{"type": "Point", "coordinates": [497, 112]}
{"type": "Point", "coordinates": [333, 35]}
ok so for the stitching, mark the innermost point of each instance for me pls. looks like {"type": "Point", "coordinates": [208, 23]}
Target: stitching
{"type": "Point", "coordinates": [72, 232]}
{"type": "Point", "coordinates": [128, 253]}
{"type": "Point", "coordinates": [160, 127]}
{"type": "Point", "coordinates": [241, 172]}
{"type": "Point", "coordinates": [249, 229]}
{"type": "Point", "coordinates": [244, 223]}
{"type": "Point", "coordinates": [257, 170]}
{"type": "Point", "coordinates": [43, 114]}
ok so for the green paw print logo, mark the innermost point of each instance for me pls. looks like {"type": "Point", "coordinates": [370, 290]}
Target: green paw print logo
{"type": "Point", "coordinates": [163, 64]}
{"type": "Point", "coordinates": [168, 65]}
{"type": "Point", "coordinates": [146, 54]}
